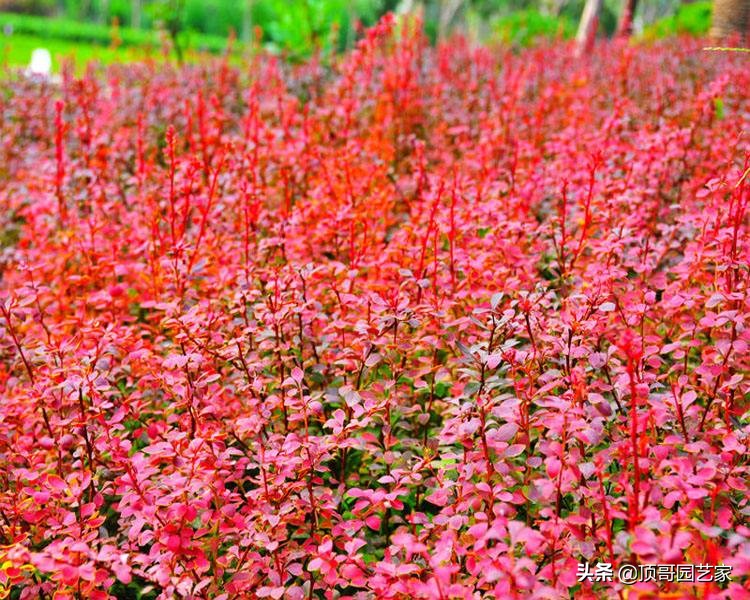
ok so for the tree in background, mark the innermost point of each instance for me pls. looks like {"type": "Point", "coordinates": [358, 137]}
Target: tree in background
{"type": "Point", "coordinates": [298, 27]}
{"type": "Point", "coordinates": [135, 13]}
{"type": "Point", "coordinates": [587, 26]}
{"type": "Point", "coordinates": [247, 20]}
{"type": "Point", "coordinates": [625, 27]}
{"type": "Point", "coordinates": [731, 17]}
{"type": "Point", "coordinates": [171, 14]}
{"type": "Point", "coordinates": [525, 16]}
{"type": "Point", "coordinates": [448, 11]}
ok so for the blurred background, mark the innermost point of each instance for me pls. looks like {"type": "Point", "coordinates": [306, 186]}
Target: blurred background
{"type": "Point", "coordinates": [110, 30]}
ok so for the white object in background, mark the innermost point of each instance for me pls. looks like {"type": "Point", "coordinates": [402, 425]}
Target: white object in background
{"type": "Point", "coordinates": [41, 63]}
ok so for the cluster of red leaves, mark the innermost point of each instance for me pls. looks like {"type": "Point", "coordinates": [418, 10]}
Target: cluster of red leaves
{"type": "Point", "coordinates": [430, 323]}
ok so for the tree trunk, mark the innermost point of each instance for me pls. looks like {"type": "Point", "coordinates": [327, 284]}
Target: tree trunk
{"type": "Point", "coordinates": [448, 11]}
{"type": "Point", "coordinates": [247, 21]}
{"type": "Point", "coordinates": [625, 27]}
{"type": "Point", "coordinates": [84, 10]}
{"type": "Point", "coordinates": [102, 13]}
{"type": "Point", "coordinates": [351, 32]}
{"type": "Point", "coordinates": [587, 27]}
{"type": "Point", "coordinates": [552, 8]}
{"type": "Point", "coordinates": [731, 17]}
{"type": "Point", "coordinates": [135, 14]}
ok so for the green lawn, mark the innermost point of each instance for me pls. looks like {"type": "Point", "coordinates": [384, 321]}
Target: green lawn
{"type": "Point", "coordinates": [16, 50]}
{"type": "Point", "coordinates": [86, 42]}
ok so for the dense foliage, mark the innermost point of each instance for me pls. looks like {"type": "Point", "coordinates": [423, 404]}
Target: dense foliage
{"type": "Point", "coordinates": [693, 19]}
{"type": "Point", "coordinates": [292, 25]}
{"type": "Point", "coordinates": [524, 28]}
{"type": "Point", "coordinates": [430, 323]}
{"type": "Point", "coordinates": [300, 27]}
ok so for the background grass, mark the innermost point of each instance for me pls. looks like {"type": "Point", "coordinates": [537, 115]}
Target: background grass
{"type": "Point", "coordinates": [16, 51]}
{"type": "Point", "coordinates": [296, 27]}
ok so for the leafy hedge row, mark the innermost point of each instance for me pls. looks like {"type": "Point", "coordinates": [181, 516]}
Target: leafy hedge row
{"type": "Point", "coordinates": [100, 35]}
{"type": "Point", "coordinates": [691, 19]}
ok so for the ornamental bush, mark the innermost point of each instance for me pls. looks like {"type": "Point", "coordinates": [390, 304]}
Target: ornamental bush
{"type": "Point", "coordinates": [427, 323]}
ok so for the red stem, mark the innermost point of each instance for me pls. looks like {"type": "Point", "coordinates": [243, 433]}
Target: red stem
{"type": "Point", "coordinates": [634, 508]}
{"type": "Point", "coordinates": [60, 159]}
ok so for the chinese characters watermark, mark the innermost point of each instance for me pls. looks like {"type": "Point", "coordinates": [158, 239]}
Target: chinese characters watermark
{"type": "Point", "coordinates": [629, 574]}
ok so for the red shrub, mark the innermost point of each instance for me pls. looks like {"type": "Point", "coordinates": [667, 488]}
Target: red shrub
{"type": "Point", "coordinates": [422, 323]}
